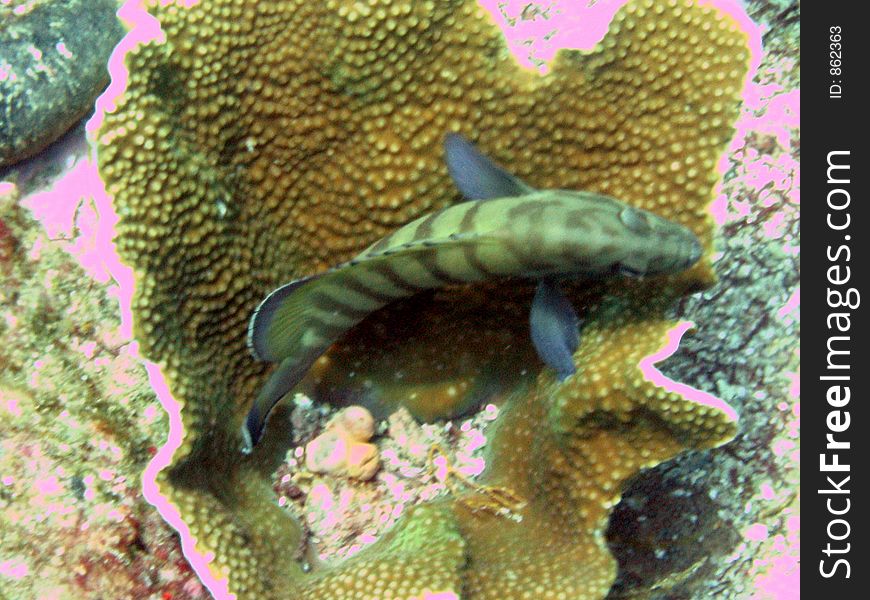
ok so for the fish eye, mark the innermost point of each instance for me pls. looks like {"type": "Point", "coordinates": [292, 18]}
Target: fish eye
{"type": "Point", "coordinates": [635, 220]}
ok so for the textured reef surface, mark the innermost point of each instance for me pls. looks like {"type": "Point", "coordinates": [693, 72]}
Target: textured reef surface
{"type": "Point", "coordinates": [253, 146]}
{"type": "Point", "coordinates": [262, 142]}
{"type": "Point", "coordinates": [78, 418]}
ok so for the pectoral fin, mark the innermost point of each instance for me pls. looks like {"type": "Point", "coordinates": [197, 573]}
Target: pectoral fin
{"type": "Point", "coordinates": [555, 328]}
{"type": "Point", "coordinates": [477, 177]}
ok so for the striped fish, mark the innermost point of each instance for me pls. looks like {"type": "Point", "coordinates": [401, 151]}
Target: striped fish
{"type": "Point", "coordinates": [506, 229]}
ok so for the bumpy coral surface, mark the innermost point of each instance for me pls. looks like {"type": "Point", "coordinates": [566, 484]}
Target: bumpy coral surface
{"type": "Point", "coordinates": [264, 141]}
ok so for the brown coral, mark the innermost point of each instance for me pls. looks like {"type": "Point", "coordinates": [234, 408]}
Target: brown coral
{"type": "Point", "coordinates": [263, 141]}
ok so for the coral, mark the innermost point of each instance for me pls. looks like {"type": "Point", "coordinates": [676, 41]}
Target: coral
{"type": "Point", "coordinates": [748, 351]}
{"type": "Point", "coordinates": [605, 426]}
{"type": "Point", "coordinates": [342, 516]}
{"type": "Point", "coordinates": [9, 244]}
{"type": "Point", "coordinates": [343, 448]}
{"type": "Point", "coordinates": [261, 142]}
{"type": "Point", "coordinates": [356, 421]}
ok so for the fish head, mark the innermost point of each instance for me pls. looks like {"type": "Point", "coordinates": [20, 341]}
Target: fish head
{"type": "Point", "coordinates": [612, 236]}
{"type": "Point", "coordinates": [656, 245]}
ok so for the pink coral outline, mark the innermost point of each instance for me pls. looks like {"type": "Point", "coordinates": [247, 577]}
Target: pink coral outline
{"type": "Point", "coordinates": [656, 377]}
{"type": "Point", "coordinates": [144, 28]}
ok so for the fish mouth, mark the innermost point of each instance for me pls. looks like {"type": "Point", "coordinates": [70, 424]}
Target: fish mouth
{"type": "Point", "coordinates": [695, 251]}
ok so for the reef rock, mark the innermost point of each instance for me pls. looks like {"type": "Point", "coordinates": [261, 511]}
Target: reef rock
{"type": "Point", "coordinates": [53, 57]}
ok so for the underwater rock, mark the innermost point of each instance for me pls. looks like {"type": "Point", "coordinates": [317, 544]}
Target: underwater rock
{"type": "Point", "coordinates": [53, 57]}
{"type": "Point", "coordinates": [343, 515]}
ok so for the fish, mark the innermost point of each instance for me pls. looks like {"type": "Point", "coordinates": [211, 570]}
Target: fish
{"type": "Point", "coordinates": [506, 228]}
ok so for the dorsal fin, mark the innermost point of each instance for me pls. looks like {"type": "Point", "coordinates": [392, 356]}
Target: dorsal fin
{"type": "Point", "coordinates": [476, 176]}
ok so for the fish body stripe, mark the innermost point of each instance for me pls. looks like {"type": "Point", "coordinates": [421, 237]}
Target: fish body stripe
{"type": "Point", "coordinates": [426, 227]}
{"type": "Point", "coordinates": [388, 272]}
{"type": "Point", "coordinates": [341, 296]}
{"type": "Point", "coordinates": [368, 282]}
{"type": "Point", "coordinates": [468, 221]}
{"type": "Point", "coordinates": [444, 274]}
{"type": "Point", "coordinates": [338, 309]}
{"type": "Point", "coordinates": [469, 252]}
{"type": "Point", "coordinates": [391, 241]}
